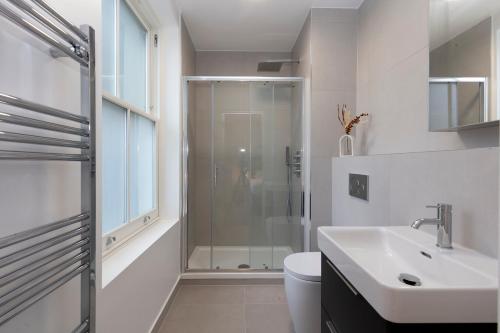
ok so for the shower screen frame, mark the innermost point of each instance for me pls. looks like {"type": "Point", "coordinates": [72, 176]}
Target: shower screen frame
{"type": "Point", "coordinates": [305, 176]}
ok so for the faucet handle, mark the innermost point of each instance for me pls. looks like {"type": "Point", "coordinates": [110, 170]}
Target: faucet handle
{"type": "Point", "coordinates": [439, 205]}
{"type": "Point", "coordinates": [442, 208]}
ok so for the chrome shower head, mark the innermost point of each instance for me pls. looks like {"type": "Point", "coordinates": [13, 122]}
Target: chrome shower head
{"type": "Point", "coordinates": [274, 65]}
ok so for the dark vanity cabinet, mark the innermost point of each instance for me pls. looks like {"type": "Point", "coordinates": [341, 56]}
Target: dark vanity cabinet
{"type": "Point", "coordinates": [344, 310]}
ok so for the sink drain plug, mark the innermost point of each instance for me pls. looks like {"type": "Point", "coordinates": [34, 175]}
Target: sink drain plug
{"type": "Point", "coordinates": [410, 280]}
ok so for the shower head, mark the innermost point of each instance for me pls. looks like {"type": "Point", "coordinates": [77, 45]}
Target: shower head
{"type": "Point", "coordinates": [274, 65]}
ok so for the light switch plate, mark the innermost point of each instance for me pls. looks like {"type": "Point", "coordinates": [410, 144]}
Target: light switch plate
{"type": "Point", "coordinates": [358, 186]}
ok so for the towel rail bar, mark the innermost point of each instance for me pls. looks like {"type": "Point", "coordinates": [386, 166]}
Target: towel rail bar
{"type": "Point", "coordinates": [19, 21]}
{"type": "Point", "coordinates": [82, 328]}
{"type": "Point", "coordinates": [35, 107]}
{"type": "Point", "coordinates": [33, 266]}
{"type": "Point", "coordinates": [61, 20]}
{"type": "Point", "coordinates": [41, 140]}
{"type": "Point", "coordinates": [36, 156]}
{"type": "Point", "coordinates": [46, 274]}
{"type": "Point", "coordinates": [35, 232]}
{"type": "Point", "coordinates": [10, 118]}
{"type": "Point", "coordinates": [33, 12]}
{"type": "Point", "coordinates": [40, 293]}
{"type": "Point", "coordinates": [40, 246]}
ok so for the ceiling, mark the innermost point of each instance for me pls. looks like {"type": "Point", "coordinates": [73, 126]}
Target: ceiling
{"type": "Point", "coordinates": [250, 25]}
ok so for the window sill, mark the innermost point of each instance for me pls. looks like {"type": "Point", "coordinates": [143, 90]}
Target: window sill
{"type": "Point", "coordinates": [119, 258]}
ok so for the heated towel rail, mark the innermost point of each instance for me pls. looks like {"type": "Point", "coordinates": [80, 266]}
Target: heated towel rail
{"type": "Point", "coordinates": [36, 262]}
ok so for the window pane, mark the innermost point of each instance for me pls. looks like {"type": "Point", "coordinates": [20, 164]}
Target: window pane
{"type": "Point", "coordinates": [114, 172]}
{"type": "Point", "coordinates": [133, 64]}
{"type": "Point", "coordinates": [142, 165]}
{"type": "Point", "coordinates": [108, 46]}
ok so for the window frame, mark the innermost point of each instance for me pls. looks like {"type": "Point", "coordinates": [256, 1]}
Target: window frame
{"type": "Point", "coordinates": [131, 227]}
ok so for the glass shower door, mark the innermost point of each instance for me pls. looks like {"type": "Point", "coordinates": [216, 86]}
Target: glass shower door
{"type": "Point", "coordinates": [256, 212]}
{"type": "Point", "coordinates": [277, 195]}
{"type": "Point", "coordinates": [260, 243]}
{"type": "Point", "coordinates": [287, 172]}
{"type": "Point", "coordinates": [244, 166]}
{"type": "Point", "coordinates": [232, 201]}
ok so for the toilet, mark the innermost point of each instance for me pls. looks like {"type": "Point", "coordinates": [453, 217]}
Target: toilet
{"type": "Point", "coordinates": [303, 290]}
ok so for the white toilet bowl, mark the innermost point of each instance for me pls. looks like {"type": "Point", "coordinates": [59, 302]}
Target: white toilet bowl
{"type": "Point", "coordinates": [303, 290]}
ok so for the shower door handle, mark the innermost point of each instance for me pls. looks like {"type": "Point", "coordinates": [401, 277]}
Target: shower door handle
{"type": "Point", "coordinates": [216, 169]}
{"type": "Point", "coordinates": [302, 204]}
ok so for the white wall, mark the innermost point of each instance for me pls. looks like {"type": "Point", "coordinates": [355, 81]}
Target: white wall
{"type": "Point", "coordinates": [393, 65]}
{"type": "Point", "coordinates": [133, 301]}
{"type": "Point", "coordinates": [302, 51]}
{"type": "Point", "coordinates": [327, 50]}
{"type": "Point", "coordinates": [392, 86]}
{"type": "Point", "coordinates": [229, 63]}
{"type": "Point", "coordinates": [51, 190]}
{"type": "Point", "coordinates": [401, 185]}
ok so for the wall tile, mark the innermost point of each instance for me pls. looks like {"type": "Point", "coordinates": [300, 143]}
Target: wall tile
{"type": "Point", "coordinates": [392, 82]}
{"type": "Point", "coordinates": [401, 185]}
{"type": "Point", "coordinates": [350, 211]}
{"type": "Point", "coordinates": [238, 63]}
{"type": "Point", "coordinates": [327, 48]}
{"type": "Point", "coordinates": [325, 127]}
{"type": "Point", "coordinates": [321, 196]}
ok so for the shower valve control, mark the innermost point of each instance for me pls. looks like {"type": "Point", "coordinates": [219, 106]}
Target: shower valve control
{"type": "Point", "coordinates": [297, 157]}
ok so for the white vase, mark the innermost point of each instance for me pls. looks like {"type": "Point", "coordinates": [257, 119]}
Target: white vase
{"type": "Point", "coordinates": [346, 145]}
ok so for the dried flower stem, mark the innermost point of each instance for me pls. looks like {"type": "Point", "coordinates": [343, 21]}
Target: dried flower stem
{"type": "Point", "coordinates": [344, 116]}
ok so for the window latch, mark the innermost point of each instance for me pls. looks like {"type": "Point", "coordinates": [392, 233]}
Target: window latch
{"type": "Point", "coordinates": [110, 240]}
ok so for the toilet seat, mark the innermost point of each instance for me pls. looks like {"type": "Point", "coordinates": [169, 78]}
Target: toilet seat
{"type": "Point", "coordinates": [304, 266]}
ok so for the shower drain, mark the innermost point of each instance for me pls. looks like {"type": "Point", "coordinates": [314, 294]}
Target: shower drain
{"type": "Point", "coordinates": [410, 280]}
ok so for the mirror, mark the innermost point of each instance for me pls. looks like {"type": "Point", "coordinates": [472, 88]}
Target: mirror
{"type": "Point", "coordinates": [464, 53]}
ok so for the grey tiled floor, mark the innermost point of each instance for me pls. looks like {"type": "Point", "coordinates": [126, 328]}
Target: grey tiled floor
{"type": "Point", "coordinates": [228, 309]}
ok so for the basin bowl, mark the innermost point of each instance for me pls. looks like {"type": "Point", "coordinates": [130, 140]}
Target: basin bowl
{"type": "Point", "coordinates": [456, 285]}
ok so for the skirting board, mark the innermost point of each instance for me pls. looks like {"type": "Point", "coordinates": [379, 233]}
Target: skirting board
{"type": "Point", "coordinates": [168, 303]}
{"type": "Point", "coordinates": [232, 282]}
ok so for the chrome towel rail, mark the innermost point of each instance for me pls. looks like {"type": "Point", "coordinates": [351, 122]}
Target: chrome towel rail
{"type": "Point", "coordinates": [29, 234]}
{"type": "Point", "coordinates": [33, 12]}
{"type": "Point", "coordinates": [35, 123]}
{"type": "Point", "coordinates": [65, 264]}
{"type": "Point", "coordinates": [41, 140]}
{"type": "Point", "coordinates": [32, 106]}
{"type": "Point", "coordinates": [36, 156]}
{"type": "Point", "coordinates": [61, 20]}
{"type": "Point", "coordinates": [36, 262]}
{"type": "Point", "coordinates": [27, 269]}
{"type": "Point", "coordinates": [41, 275]}
{"type": "Point", "coordinates": [82, 328]}
{"type": "Point", "coordinates": [40, 246]}
{"type": "Point", "coordinates": [39, 293]}
{"type": "Point", "coordinates": [18, 20]}
{"type": "Point", "coordinates": [47, 274]}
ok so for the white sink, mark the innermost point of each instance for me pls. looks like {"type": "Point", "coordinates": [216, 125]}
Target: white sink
{"type": "Point", "coordinates": [457, 286]}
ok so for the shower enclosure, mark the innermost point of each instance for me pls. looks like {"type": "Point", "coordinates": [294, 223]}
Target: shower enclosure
{"type": "Point", "coordinates": [243, 181]}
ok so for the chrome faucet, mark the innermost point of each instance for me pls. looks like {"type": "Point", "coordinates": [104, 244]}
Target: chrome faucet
{"type": "Point", "coordinates": [443, 222]}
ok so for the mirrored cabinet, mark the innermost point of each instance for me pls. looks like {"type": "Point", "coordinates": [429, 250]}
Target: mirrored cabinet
{"type": "Point", "coordinates": [463, 62]}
